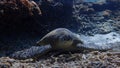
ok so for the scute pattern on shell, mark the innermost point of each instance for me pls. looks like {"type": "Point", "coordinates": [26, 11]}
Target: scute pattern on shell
{"type": "Point", "coordinates": [59, 34]}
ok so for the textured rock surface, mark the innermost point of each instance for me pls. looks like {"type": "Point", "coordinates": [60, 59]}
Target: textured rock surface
{"type": "Point", "coordinates": [96, 17]}
{"type": "Point", "coordinates": [15, 13]}
{"type": "Point", "coordinates": [102, 41]}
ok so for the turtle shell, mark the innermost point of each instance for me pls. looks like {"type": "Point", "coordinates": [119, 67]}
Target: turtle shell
{"type": "Point", "coordinates": [60, 38]}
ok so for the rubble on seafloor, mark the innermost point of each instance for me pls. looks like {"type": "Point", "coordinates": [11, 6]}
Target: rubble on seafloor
{"type": "Point", "coordinates": [93, 59]}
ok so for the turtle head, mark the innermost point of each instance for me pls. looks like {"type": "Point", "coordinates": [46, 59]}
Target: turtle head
{"type": "Point", "coordinates": [77, 39]}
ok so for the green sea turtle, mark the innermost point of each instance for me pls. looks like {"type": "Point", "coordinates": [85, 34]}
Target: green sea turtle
{"type": "Point", "coordinates": [63, 39]}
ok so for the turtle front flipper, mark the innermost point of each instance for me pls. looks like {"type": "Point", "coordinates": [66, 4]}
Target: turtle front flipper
{"type": "Point", "coordinates": [31, 52]}
{"type": "Point", "coordinates": [98, 47]}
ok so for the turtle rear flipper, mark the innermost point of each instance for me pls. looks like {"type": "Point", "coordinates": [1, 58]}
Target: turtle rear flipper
{"type": "Point", "coordinates": [31, 52]}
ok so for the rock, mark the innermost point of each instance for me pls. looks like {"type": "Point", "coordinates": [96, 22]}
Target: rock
{"type": "Point", "coordinates": [5, 65]}
{"type": "Point", "coordinates": [15, 14]}
{"type": "Point", "coordinates": [95, 1]}
{"type": "Point", "coordinates": [19, 5]}
{"type": "Point", "coordinates": [106, 13]}
{"type": "Point", "coordinates": [116, 1]}
{"type": "Point", "coordinates": [31, 5]}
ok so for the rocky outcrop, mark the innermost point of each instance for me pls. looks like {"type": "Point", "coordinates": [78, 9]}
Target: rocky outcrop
{"type": "Point", "coordinates": [94, 15]}
{"type": "Point", "coordinates": [16, 19]}
{"type": "Point", "coordinates": [18, 6]}
{"type": "Point", "coordinates": [15, 13]}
